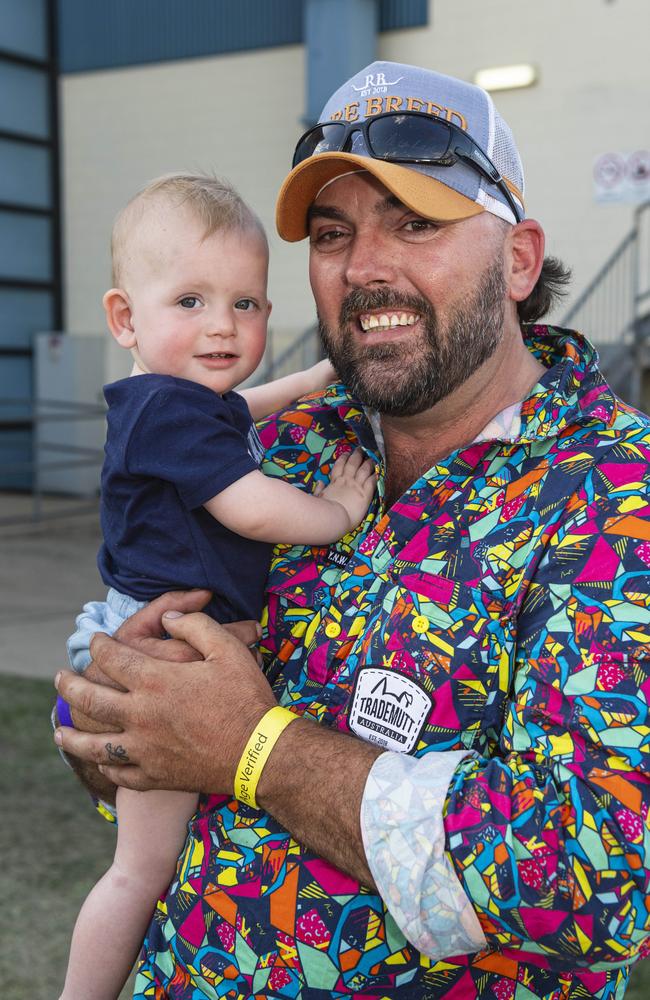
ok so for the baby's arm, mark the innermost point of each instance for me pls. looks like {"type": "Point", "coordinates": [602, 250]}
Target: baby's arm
{"type": "Point", "coordinates": [270, 510]}
{"type": "Point", "coordinates": [265, 399]}
{"type": "Point", "coordinates": [113, 920]}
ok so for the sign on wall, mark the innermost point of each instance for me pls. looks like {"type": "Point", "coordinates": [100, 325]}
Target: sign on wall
{"type": "Point", "coordinates": [622, 176]}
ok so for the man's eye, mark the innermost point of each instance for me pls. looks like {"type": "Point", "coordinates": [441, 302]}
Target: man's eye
{"type": "Point", "coordinates": [327, 240]}
{"type": "Point", "coordinates": [419, 225]}
{"type": "Point", "coordinates": [245, 305]}
{"type": "Point", "coordinates": [189, 302]}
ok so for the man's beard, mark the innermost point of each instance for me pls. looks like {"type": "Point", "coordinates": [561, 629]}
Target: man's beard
{"type": "Point", "coordinates": [407, 377]}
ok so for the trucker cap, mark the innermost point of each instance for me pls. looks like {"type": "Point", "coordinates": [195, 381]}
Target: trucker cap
{"type": "Point", "coordinates": [437, 192]}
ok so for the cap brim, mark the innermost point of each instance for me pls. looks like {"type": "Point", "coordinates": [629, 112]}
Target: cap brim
{"type": "Point", "coordinates": [419, 192]}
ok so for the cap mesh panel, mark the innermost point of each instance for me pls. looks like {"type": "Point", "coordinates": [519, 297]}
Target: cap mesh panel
{"type": "Point", "coordinates": [504, 154]}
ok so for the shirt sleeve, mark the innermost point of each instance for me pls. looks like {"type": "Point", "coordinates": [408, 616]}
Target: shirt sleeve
{"type": "Point", "coordinates": [405, 844]}
{"type": "Point", "coordinates": [549, 839]}
{"type": "Point", "coordinates": [179, 439]}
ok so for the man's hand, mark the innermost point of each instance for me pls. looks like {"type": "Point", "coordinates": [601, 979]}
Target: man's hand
{"type": "Point", "coordinates": [183, 727]}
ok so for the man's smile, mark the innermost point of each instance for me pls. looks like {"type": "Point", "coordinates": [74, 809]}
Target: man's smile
{"type": "Point", "coordinates": [387, 320]}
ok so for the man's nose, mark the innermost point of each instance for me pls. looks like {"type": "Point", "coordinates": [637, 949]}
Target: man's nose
{"type": "Point", "coordinates": [369, 261]}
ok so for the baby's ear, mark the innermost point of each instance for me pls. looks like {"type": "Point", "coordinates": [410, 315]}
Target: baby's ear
{"type": "Point", "coordinates": [119, 317]}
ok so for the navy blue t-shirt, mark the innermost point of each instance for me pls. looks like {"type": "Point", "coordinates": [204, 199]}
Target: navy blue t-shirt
{"type": "Point", "coordinates": [171, 446]}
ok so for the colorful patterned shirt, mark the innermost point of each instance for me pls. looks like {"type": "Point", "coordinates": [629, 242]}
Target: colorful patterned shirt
{"type": "Point", "coordinates": [492, 632]}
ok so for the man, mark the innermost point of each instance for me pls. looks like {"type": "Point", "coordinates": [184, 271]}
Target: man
{"type": "Point", "coordinates": [466, 785]}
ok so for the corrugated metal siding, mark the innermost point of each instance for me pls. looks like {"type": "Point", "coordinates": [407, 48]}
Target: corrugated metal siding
{"type": "Point", "coordinates": [100, 34]}
{"type": "Point", "coordinates": [402, 14]}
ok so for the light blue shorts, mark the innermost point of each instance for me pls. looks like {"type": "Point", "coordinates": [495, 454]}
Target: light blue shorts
{"type": "Point", "coordinates": [99, 616]}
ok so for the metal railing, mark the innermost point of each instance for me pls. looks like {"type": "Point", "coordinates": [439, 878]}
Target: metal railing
{"type": "Point", "coordinates": [49, 455]}
{"type": "Point", "coordinates": [614, 308]}
{"type": "Point", "coordinates": [301, 353]}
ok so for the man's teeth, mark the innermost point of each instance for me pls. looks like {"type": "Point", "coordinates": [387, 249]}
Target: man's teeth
{"type": "Point", "coordinates": [387, 320]}
{"type": "Point", "coordinates": [219, 355]}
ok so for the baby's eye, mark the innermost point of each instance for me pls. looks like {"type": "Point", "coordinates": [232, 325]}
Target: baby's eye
{"type": "Point", "coordinates": [245, 305]}
{"type": "Point", "coordinates": [189, 302]}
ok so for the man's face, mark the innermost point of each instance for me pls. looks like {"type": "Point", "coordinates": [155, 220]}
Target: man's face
{"type": "Point", "coordinates": [408, 309]}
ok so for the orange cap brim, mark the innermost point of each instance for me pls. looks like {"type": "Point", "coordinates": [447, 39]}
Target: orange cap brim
{"type": "Point", "coordinates": [419, 192]}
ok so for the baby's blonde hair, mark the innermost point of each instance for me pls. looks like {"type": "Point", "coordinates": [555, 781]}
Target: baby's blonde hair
{"type": "Point", "coordinates": [212, 200]}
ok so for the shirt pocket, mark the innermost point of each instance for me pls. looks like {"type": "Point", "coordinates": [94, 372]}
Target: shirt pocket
{"type": "Point", "coordinates": [301, 584]}
{"type": "Point", "coordinates": [438, 656]}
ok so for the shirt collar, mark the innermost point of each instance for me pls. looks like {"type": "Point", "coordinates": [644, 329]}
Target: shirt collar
{"type": "Point", "coordinates": [571, 391]}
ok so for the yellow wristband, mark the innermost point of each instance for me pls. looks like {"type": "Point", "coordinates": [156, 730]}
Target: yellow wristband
{"type": "Point", "coordinates": [258, 750]}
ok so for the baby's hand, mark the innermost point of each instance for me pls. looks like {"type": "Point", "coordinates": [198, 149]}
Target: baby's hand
{"type": "Point", "coordinates": [352, 485]}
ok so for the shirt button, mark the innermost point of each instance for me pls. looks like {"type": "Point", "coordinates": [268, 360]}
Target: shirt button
{"type": "Point", "coordinates": [332, 630]}
{"type": "Point", "coordinates": [420, 624]}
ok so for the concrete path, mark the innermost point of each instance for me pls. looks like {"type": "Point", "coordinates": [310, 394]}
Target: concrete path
{"type": "Point", "coordinates": [47, 571]}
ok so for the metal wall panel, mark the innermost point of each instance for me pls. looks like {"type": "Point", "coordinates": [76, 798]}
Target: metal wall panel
{"type": "Point", "coordinates": [23, 28]}
{"type": "Point", "coordinates": [25, 247]}
{"type": "Point", "coordinates": [25, 177]}
{"type": "Point", "coordinates": [24, 311]}
{"type": "Point", "coordinates": [100, 34]}
{"type": "Point", "coordinates": [402, 14]}
{"type": "Point", "coordinates": [29, 217]}
{"type": "Point", "coordinates": [24, 100]}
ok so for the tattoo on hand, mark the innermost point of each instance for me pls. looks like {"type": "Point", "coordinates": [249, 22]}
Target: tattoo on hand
{"type": "Point", "coordinates": [117, 754]}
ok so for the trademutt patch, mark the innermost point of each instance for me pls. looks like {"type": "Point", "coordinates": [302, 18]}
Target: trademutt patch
{"type": "Point", "coordinates": [388, 709]}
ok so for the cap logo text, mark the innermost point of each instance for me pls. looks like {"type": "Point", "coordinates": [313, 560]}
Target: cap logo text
{"type": "Point", "coordinates": [376, 83]}
{"type": "Point", "coordinates": [381, 103]}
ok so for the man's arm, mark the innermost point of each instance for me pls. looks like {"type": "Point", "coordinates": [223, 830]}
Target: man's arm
{"type": "Point", "coordinates": [550, 837]}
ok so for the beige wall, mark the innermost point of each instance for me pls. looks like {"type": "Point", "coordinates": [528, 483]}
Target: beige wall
{"type": "Point", "coordinates": [236, 115]}
{"type": "Point", "coordinates": [593, 96]}
{"type": "Point", "coordinates": [241, 114]}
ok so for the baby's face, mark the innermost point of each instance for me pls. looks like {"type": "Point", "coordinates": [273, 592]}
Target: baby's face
{"type": "Point", "coordinates": [199, 305]}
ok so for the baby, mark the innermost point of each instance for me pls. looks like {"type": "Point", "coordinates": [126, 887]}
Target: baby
{"type": "Point", "coordinates": [184, 503]}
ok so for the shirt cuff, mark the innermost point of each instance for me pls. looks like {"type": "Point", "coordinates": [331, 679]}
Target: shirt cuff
{"type": "Point", "coordinates": [405, 844]}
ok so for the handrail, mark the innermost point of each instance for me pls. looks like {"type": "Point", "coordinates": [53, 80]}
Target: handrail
{"type": "Point", "coordinates": [613, 310]}
{"type": "Point", "coordinates": [50, 455]}
{"type": "Point", "coordinates": [630, 240]}
{"type": "Point", "coordinates": [297, 347]}
{"type": "Point", "coordinates": [605, 270]}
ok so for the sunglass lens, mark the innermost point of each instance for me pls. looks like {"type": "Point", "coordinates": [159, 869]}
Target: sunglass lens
{"type": "Point", "coordinates": [321, 139]}
{"type": "Point", "coordinates": [408, 137]}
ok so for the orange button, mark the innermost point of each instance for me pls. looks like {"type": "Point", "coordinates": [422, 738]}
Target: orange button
{"type": "Point", "coordinates": [332, 630]}
{"type": "Point", "coordinates": [420, 624]}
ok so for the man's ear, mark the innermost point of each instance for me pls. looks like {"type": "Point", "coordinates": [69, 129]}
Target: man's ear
{"type": "Point", "coordinates": [524, 258]}
{"type": "Point", "coordinates": [119, 317]}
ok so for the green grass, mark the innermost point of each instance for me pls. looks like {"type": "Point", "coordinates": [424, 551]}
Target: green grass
{"type": "Point", "coordinates": [54, 848]}
{"type": "Point", "coordinates": [53, 843]}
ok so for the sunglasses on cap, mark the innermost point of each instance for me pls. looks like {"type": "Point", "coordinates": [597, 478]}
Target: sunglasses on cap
{"type": "Point", "coordinates": [406, 137]}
